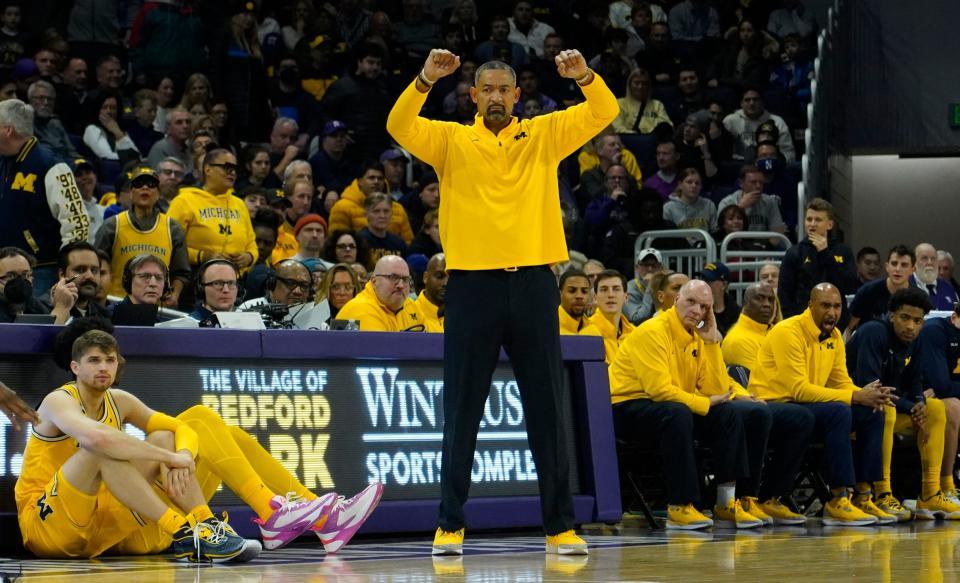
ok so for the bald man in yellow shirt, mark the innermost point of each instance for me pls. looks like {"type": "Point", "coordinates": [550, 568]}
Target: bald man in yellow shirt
{"type": "Point", "coordinates": [743, 340]}
{"type": "Point", "coordinates": [431, 299]}
{"type": "Point", "coordinates": [803, 360]}
{"type": "Point", "coordinates": [668, 383]}
{"type": "Point", "coordinates": [501, 228]}
{"type": "Point", "coordinates": [384, 304]}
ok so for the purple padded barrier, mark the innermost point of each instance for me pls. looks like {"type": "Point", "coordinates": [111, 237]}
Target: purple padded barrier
{"type": "Point", "coordinates": [583, 356]}
{"type": "Point", "coordinates": [393, 345]}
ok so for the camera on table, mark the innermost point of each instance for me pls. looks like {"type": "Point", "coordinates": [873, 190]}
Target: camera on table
{"type": "Point", "coordinates": [274, 316]}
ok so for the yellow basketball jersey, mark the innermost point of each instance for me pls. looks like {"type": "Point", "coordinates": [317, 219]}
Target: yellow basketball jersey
{"type": "Point", "coordinates": [131, 241]}
{"type": "Point", "coordinates": [45, 454]}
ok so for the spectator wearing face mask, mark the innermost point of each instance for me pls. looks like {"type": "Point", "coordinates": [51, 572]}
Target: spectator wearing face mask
{"type": "Point", "coordinates": [16, 285]}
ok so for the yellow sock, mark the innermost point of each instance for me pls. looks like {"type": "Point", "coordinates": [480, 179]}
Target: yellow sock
{"type": "Point", "coordinates": [275, 475]}
{"type": "Point", "coordinates": [226, 460]}
{"type": "Point", "coordinates": [257, 496]}
{"type": "Point", "coordinates": [882, 487]}
{"type": "Point", "coordinates": [201, 513]}
{"type": "Point", "coordinates": [862, 489]}
{"type": "Point", "coordinates": [946, 483]}
{"type": "Point", "coordinates": [838, 492]}
{"type": "Point", "coordinates": [171, 521]}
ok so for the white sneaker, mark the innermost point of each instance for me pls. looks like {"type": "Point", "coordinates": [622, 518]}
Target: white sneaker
{"type": "Point", "coordinates": [347, 516]}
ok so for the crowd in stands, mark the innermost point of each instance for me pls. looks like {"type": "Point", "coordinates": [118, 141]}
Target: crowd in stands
{"type": "Point", "coordinates": [213, 156]}
{"type": "Point", "coordinates": [282, 106]}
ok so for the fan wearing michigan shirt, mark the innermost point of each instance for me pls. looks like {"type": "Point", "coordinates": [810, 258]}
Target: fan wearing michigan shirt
{"type": "Point", "coordinates": [501, 227]}
{"type": "Point", "coordinates": [610, 289]}
{"type": "Point", "coordinates": [216, 223]}
{"type": "Point", "coordinates": [886, 349]}
{"type": "Point", "coordinates": [804, 361]}
{"type": "Point", "coordinates": [572, 313]}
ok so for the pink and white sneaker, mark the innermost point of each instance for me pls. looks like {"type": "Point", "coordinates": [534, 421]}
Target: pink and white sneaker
{"type": "Point", "coordinates": [347, 516]}
{"type": "Point", "coordinates": [292, 517]}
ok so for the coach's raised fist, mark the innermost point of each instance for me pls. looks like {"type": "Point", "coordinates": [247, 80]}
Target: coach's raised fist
{"type": "Point", "coordinates": [440, 63]}
{"type": "Point", "coordinates": [571, 64]}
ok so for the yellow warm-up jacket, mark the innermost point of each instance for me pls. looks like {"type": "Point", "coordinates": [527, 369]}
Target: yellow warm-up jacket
{"type": "Point", "coordinates": [662, 361]}
{"type": "Point", "coordinates": [795, 365]}
{"type": "Point", "coordinates": [287, 245]}
{"type": "Point", "coordinates": [432, 318]}
{"type": "Point", "coordinates": [611, 343]}
{"type": "Point", "coordinates": [374, 316]}
{"type": "Point", "coordinates": [215, 224]}
{"type": "Point", "coordinates": [348, 213]}
{"type": "Point", "coordinates": [574, 326]}
{"type": "Point", "coordinates": [588, 160]}
{"type": "Point", "coordinates": [499, 206]}
{"type": "Point", "coordinates": [742, 343]}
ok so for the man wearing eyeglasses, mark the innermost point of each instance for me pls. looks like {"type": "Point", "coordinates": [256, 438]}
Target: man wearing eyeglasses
{"type": "Point", "coordinates": [144, 229]}
{"type": "Point", "coordinates": [148, 282]}
{"type": "Point", "coordinates": [384, 305]}
{"type": "Point", "coordinates": [16, 285]}
{"type": "Point", "coordinates": [216, 223]}
{"type": "Point", "coordinates": [219, 284]}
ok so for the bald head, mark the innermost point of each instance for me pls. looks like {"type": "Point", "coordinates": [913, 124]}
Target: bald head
{"type": "Point", "coordinates": [435, 279]}
{"type": "Point", "coordinates": [694, 302]}
{"type": "Point", "coordinates": [391, 281]}
{"type": "Point", "coordinates": [825, 306]}
{"type": "Point", "coordinates": [824, 291]}
{"type": "Point", "coordinates": [759, 302]}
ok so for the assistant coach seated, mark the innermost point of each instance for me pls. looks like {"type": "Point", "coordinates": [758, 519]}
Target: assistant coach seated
{"type": "Point", "coordinates": [668, 383]}
{"type": "Point", "coordinates": [384, 305]}
{"type": "Point", "coordinates": [803, 360]}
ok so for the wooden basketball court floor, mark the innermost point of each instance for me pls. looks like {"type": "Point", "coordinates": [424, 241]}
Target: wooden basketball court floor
{"type": "Point", "coordinates": [919, 551]}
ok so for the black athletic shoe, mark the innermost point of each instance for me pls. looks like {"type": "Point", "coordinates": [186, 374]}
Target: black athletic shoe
{"type": "Point", "coordinates": [209, 541]}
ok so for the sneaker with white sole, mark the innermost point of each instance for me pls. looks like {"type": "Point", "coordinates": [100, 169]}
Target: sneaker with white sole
{"type": "Point", "coordinates": [347, 516]}
{"type": "Point", "coordinates": [566, 543]}
{"type": "Point", "coordinates": [840, 512]}
{"type": "Point", "coordinates": [937, 506]}
{"type": "Point", "coordinates": [292, 516]}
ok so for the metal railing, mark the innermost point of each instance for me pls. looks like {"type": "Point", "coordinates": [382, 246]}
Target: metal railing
{"type": "Point", "coordinates": [814, 165]}
{"type": "Point", "coordinates": [703, 249]}
{"type": "Point", "coordinates": [745, 262]}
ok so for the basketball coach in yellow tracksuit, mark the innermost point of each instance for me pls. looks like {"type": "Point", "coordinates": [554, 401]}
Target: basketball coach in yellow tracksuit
{"type": "Point", "coordinates": [500, 226]}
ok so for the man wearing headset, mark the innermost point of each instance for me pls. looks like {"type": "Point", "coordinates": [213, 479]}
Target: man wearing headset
{"type": "Point", "coordinates": [146, 280]}
{"type": "Point", "coordinates": [217, 289]}
{"type": "Point", "coordinates": [291, 284]}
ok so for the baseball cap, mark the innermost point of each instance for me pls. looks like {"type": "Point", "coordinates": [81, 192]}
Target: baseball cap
{"type": "Point", "coordinates": [392, 154]}
{"type": "Point", "coordinates": [138, 172]}
{"type": "Point", "coordinates": [276, 199]}
{"type": "Point", "coordinates": [82, 163]}
{"type": "Point", "coordinates": [644, 253]}
{"type": "Point", "coordinates": [333, 126]}
{"type": "Point", "coordinates": [715, 272]}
